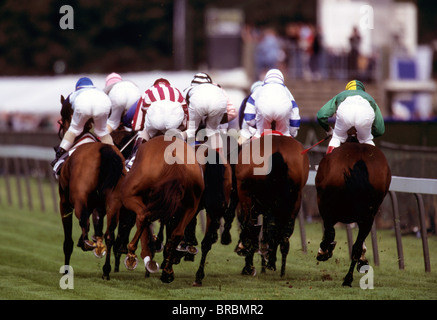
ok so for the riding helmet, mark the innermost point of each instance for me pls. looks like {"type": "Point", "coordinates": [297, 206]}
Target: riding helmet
{"type": "Point", "coordinates": [355, 85]}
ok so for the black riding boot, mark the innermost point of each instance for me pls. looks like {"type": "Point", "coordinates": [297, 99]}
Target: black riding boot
{"type": "Point", "coordinates": [59, 154]}
{"type": "Point", "coordinates": [129, 161]}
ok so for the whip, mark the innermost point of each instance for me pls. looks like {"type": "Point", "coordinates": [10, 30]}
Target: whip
{"type": "Point", "coordinates": [324, 139]}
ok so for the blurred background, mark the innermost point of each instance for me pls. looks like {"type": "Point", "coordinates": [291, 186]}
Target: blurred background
{"type": "Point", "coordinates": [319, 45]}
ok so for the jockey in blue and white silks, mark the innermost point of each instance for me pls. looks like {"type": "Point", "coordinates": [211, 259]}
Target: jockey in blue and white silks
{"type": "Point", "coordinates": [87, 102]}
{"type": "Point", "coordinates": [273, 103]}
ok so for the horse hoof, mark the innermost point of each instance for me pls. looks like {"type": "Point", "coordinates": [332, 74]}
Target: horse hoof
{"type": "Point", "coordinates": [226, 238]}
{"type": "Point", "coordinates": [88, 245]}
{"type": "Point", "coordinates": [131, 262]}
{"type": "Point", "coordinates": [362, 263]}
{"type": "Point", "coordinates": [100, 252]}
{"type": "Point", "coordinates": [167, 277]}
{"type": "Point", "coordinates": [249, 271]}
{"type": "Point", "coordinates": [151, 266]}
{"type": "Point", "coordinates": [192, 250]}
{"type": "Point", "coordinates": [347, 282]}
{"type": "Point", "coordinates": [197, 283]}
{"type": "Point", "coordinates": [189, 257]}
{"type": "Point", "coordinates": [105, 277]}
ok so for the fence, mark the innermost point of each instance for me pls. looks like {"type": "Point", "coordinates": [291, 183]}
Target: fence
{"type": "Point", "coordinates": [398, 184]}
{"type": "Point", "coordinates": [23, 161]}
{"type": "Point", "coordinates": [36, 160]}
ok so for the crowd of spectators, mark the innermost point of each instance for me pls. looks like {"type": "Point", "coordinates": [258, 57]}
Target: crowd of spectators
{"type": "Point", "coordinates": [298, 51]}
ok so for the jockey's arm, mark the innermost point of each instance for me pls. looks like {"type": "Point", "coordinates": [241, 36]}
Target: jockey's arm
{"type": "Point", "coordinates": [230, 109]}
{"type": "Point", "coordinates": [325, 112]}
{"type": "Point", "coordinates": [294, 120]}
{"type": "Point", "coordinates": [250, 112]}
{"type": "Point", "coordinates": [378, 127]}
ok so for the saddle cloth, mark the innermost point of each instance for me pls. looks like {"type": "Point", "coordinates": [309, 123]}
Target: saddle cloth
{"type": "Point", "coordinates": [86, 138]}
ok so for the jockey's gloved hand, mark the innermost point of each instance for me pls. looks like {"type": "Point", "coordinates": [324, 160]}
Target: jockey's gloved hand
{"type": "Point", "coordinates": [330, 131]}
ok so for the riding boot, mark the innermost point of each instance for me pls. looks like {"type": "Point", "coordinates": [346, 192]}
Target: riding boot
{"type": "Point", "coordinates": [330, 148]}
{"type": "Point", "coordinates": [129, 161]}
{"type": "Point", "coordinates": [59, 154]}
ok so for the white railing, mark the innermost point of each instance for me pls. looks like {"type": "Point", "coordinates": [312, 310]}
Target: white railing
{"type": "Point", "coordinates": [416, 186]}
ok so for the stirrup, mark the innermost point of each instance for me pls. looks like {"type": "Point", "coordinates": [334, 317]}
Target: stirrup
{"type": "Point", "coordinates": [129, 163]}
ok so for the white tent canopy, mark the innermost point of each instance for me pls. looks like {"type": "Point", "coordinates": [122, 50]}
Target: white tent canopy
{"type": "Point", "coordinates": [41, 95]}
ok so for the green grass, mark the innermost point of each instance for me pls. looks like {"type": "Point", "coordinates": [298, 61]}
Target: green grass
{"type": "Point", "coordinates": [31, 256]}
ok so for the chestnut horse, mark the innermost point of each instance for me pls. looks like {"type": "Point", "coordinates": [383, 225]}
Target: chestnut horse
{"type": "Point", "coordinates": [351, 184]}
{"type": "Point", "coordinates": [86, 181]}
{"type": "Point", "coordinates": [165, 183]}
{"type": "Point", "coordinates": [271, 173]}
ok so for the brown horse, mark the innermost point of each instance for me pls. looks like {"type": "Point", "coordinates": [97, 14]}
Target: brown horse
{"type": "Point", "coordinates": [86, 181]}
{"type": "Point", "coordinates": [165, 183]}
{"type": "Point", "coordinates": [351, 184]}
{"type": "Point", "coordinates": [271, 173]}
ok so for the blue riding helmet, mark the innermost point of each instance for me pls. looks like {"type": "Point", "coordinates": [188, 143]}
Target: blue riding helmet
{"type": "Point", "coordinates": [84, 82]}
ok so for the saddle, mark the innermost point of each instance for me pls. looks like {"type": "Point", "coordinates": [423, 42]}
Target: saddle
{"type": "Point", "coordinates": [85, 138]}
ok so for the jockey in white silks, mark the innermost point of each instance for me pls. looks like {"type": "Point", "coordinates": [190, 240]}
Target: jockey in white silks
{"type": "Point", "coordinates": [87, 102]}
{"type": "Point", "coordinates": [164, 108]}
{"type": "Point", "coordinates": [123, 94]}
{"type": "Point", "coordinates": [273, 103]}
{"type": "Point", "coordinates": [208, 103]}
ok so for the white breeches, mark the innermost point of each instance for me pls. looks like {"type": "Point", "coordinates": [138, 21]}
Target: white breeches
{"type": "Point", "coordinates": [89, 104]}
{"type": "Point", "coordinates": [163, 115]}
{"type": "Point", "coordinates": [353, 112]}
{"type": "Point", "coordinates": [273, 103]}
{"type": "Point", "coordinates": [123, 95]}
{"type": "Point", "coordinates": [208, 103]}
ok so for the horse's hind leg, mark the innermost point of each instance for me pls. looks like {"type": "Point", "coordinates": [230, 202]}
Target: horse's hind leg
{"type": "Point", "coordinates": [328, 244]}
{"type": "Point", "coordinates": [207, 242]}
{"type": "Point", "coordinates": [67, 223]}
{"type": "Point", "coordinates": [125, 225]}
{"type": "Point", "coordinates": [285, 244]}
{"type": "Point", "coordinates": [357, 250]}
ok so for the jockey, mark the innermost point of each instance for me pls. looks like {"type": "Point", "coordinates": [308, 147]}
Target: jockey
{"type": "Point", "coordinates": [354, 108]}
{"type": "Point", "coordinates": [87, 102]}
{"type": "Point", "coordinates": [271, 104]}
{"type": "Point", "coordinates": [246, 131]}
{"type": "Point", "coordinates": [164, 108]}
{"type": "Point", "coordinates": [207, 102]}
{"type": "Point", "coordinates": [123, 94]}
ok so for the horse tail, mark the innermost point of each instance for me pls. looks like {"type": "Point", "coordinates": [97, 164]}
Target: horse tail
{"type": "Point", "coordinates": [358, 186]}
{"type": "Point", "coordinates": [111, 168]}
{"type": "Point", "coordinates": [277, 179]}
{"type": "Point", "coordinates": [213, 194]}
{"type": "Point", "coordinates": [168, 195]}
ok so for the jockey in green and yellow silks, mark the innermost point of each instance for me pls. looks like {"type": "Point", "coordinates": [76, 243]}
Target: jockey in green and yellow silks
{"type": "Point", "coordinates": [354, 107]}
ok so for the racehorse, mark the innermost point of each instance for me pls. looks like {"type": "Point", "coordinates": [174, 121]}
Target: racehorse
{"type": "Point", "coordinates": [86, 180]}
{"type": "Point", "coordinates": [165, 183]}
{"type": "Point", "coordinates": [351, 184]}
{"type": "Point", "coordinates": [271, 173]}
{"type": "Point", "coordinates": [217, 173]}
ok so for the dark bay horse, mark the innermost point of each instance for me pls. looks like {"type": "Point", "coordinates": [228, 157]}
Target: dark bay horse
{"type": "Point", "coordinates": [351, 184]}
{"type": "Point", "coordinates": [271, 173]}
{"type": "Point", "coordinates": [217, 173]}
{"type": "Point", "coordinates": [86, 181]}
{"type": "Point", "coordinates": [165, 183]}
